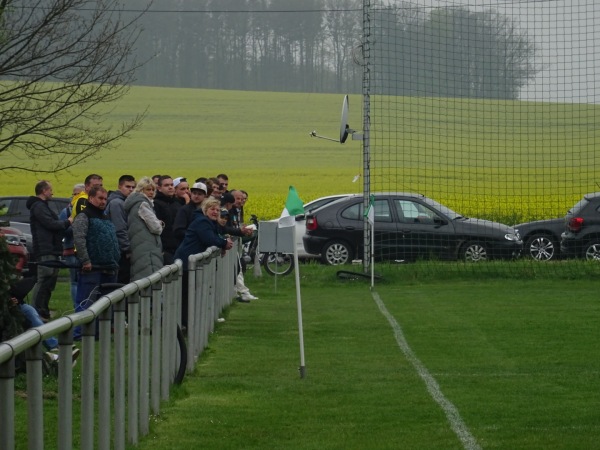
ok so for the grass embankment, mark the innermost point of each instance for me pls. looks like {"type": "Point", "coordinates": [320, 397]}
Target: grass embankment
{"type": "Point", "coordinates": [516, 357]}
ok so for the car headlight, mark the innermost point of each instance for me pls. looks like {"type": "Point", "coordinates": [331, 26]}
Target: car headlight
{"type": "Point", "coordinates": [512, 236]}
{"type": "Point", "coordinates": [11, 239]}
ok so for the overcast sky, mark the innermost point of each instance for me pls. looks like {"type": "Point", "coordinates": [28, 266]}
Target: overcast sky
{"type": "Point", "coordinates": [566, 34]}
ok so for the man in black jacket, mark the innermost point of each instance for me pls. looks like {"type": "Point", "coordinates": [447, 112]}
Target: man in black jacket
{"type": "Point", "coordinates": [47, 231]}
{"type": "Point", "coordinates": [185, 215]}
{"type": "Point", "coordinates": [166, 206]}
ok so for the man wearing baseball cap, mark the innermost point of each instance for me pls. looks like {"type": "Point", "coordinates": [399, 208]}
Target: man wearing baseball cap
{"type": "Point", "coordinates": [185, 214]}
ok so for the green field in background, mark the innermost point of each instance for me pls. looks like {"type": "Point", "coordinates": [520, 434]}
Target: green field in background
{"type": "Point", "coordinates": [492, 159]}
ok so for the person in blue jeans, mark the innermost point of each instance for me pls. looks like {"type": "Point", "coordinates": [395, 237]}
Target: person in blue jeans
{"type": "Point", "coordinates": [32, 319]}
{"type": "Point", "coordinates": [97, 247]}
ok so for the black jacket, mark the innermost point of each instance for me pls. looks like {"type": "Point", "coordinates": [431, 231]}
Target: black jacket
{"type": "Point", "coordinates": [166, 209]}
{"type": "Point", "coordinates": [183, 219]}
{"type": "Point", "coordinates": [47, 230]}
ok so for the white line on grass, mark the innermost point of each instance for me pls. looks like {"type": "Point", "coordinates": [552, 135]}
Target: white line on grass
{"type": "Point", "coordinates": [458, 426]}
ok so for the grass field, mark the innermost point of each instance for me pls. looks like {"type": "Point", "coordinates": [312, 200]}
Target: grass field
{"type": "Point", "coordinates": [517, 359]}
{"type": "Point", "coordinates": [508, 161]}
{"type": "Point", "coordinates": [511, 361]}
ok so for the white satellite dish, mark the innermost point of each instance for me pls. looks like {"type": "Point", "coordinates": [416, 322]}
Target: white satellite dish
{"type": "Point", "coordinates": [345, 129]}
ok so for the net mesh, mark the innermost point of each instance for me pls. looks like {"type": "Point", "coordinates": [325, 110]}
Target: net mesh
{"type": "Point", "coordinates": [488, 107]}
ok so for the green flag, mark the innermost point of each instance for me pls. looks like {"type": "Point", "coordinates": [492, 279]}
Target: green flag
{"type": "Point", "coordinates": [293, 206]}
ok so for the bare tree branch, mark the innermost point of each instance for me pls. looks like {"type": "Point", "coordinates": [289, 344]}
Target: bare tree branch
{"type": "Point", "coordinates": [63, 65]}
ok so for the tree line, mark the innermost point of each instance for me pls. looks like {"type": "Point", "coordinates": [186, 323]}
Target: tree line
{"type": "Point", "coordinates": [316, 46]}
{"type": "Point", "coordinates": [64, 62]}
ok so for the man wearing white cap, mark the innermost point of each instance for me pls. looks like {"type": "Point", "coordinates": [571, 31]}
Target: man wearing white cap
{"type": "Point", "coordinates": [182, 190]}
{"type": "Point", "coordinates": [185, 214]}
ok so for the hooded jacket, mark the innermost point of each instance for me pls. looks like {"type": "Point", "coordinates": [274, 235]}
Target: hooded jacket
{"type": "Point", "coordinates": [146, 248]}
{"type": "Point", "coordinates": [116, 212]}
{"type": "Point", "coordinates": [166, 210]}
{"type": "Point", "coordinates": [47, 230]}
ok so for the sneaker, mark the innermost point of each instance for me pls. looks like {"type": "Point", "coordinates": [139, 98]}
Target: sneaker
{"type": "Point", "coordinates": [51, 357]}
{"type": "Point", "coordinates": [74, 355]}
{"type": "Point", "coordinates": [243, 300]}
{"type": "Point", "coordinates": [248, 296]}
{"type": "Point", "coordinates": [221, 319]}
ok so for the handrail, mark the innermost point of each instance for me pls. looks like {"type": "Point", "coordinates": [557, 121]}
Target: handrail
{"type": "Point", "coordinates": [129, 348]}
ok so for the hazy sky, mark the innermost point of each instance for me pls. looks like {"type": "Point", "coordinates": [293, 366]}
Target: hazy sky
{"type": "Point", "coordinates": [566, 34]}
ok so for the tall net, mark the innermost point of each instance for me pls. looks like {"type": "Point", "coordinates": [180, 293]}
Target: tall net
{"type": "Point", "coordinates": [488, 107]}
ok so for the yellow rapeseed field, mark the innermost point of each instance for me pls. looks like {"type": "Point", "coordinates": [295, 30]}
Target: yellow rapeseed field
{"type": "Point", "coordinates": [507, 161]}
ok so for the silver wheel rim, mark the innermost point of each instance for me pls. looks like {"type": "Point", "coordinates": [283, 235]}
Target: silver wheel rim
{"type": "Point", "coordinates": [541, 248]}
{"type": "Point", "coordinates": [337, 254]}
{"type": "Point", "coordinates": [475, 253]}
{"type": "Point", "coordinates": [593, 252]}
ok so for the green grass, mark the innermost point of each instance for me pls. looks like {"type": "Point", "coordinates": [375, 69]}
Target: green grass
{"type": "Point", "coordinates": [518, 359]}
{"type": "Point", "coordinates": [505, 160]}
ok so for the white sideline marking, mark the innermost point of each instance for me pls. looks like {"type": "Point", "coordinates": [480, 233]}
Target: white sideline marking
{"type": "Point", "coordinates": [458, 426]}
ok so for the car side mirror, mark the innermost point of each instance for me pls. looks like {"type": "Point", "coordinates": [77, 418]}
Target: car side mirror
{"type": "Point", "coordinates": [439, 221]}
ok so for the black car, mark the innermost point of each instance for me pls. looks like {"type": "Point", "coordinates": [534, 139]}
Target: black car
{"type": "Point", "coordinates": [407, 227]}
{"type": "Point", "coordinates": [582, 235]}
{"type": "Point", "coordinates": [541, 238]}
{"type": "Point", "coordinates": [13, 208]}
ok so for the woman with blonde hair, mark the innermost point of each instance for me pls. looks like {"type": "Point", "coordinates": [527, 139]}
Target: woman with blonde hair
{"type": "Point", "coordinates": [144, 230]}
{"type": "Point", "coordinates": [203, 232]}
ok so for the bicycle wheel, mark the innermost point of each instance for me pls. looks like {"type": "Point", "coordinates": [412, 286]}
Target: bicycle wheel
{"type": "Point", "coordinates": [182, 356]}
{"type": "Point", "coordinates": [278, 263]}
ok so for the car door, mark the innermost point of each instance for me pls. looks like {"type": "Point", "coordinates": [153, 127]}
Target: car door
{"type": "Point", "coordinates": [351, 226]}
{"type": "Point", "coordinates": [386, 239]}
{"type": "Point", "coordinates": [426, 233]}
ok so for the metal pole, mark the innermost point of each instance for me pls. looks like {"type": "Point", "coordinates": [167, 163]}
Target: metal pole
{"type": "Point", "coordinates": [366, 88]}
{"type": "Point", "coordinates": [299, 305]}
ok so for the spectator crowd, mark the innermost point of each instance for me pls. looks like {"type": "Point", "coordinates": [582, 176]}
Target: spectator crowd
{"type": "Point", "coordinates": [128, 233]}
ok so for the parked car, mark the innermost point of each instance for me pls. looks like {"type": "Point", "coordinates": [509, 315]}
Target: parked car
{"type": "Point", "coordinates": [582, 235]}
{"type": "Point", "coordinates": [407, 227]}
{"type": "Point", "coordinates": [13, 208]}
{"type": "Point", "coordinates": [301, 221]}
{"type": "Point", "coordinates": [16, 246]}
{"type": "Point", "coordinates": [541, 238]}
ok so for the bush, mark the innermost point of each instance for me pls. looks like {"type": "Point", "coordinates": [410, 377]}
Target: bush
{"type": "Point", "coordinates": [10, 317]}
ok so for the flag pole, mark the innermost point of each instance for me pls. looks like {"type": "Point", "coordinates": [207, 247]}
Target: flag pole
{"type": "Point", "coordinates": [372, 256]}
{"type": "Point", "coordinates": [302, 368]}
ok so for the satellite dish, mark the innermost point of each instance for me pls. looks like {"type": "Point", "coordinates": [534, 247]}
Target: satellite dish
{"type": "Point", "coordinates": [344, 127]}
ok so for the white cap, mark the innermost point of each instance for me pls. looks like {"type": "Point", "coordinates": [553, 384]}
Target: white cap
{"type": "Point", "coordinates": [200, 186]}
{"type": "Point", "coordinates": [178, 180]}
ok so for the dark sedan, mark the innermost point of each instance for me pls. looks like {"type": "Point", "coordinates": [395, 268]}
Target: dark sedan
{"type": "Point", "coordinates": [542, 238]}
{"type": "Point", "coordinates": [407, 227]}
{"type": "Point", "coordinates": [582, 235]}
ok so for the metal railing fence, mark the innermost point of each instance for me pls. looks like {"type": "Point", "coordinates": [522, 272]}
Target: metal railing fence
{"type": "Point", "coordinates": [134, 331]}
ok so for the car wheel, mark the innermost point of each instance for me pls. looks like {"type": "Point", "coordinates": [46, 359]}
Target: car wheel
{"type": "Point", "coordinates": [336, 253]}
{"type": "Point", "coordinates": [474, 252]}
{"type": "Point", "coordinates": [592, 251]}
{"type": "Point", "coordinates": [541, 247]}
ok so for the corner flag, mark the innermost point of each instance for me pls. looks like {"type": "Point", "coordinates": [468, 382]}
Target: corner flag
{"type": "Point", "coordinates": [293, 206]}
{"type": "Point", "coordinates": [370, 212]}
